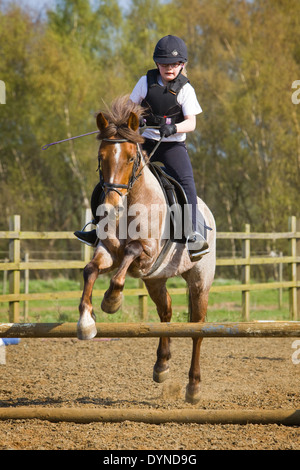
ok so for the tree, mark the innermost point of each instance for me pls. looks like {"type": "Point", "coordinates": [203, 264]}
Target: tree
{"type": "Point", "coordinates": [55, 70]}
{"type": "Point", "coordinates": [145, 23]}
{"type": "Point", "coordinates": [59, 68]}
{"type": "Point", "coordinates": [20, 172]}
{"type": "Point", "coordinates": [242, 67]}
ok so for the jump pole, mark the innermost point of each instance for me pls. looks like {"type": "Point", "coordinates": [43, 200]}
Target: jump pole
{"type": "Point", "coordinates": [154, 330]}
{"type": "Point", "coordinates": [288, 417]}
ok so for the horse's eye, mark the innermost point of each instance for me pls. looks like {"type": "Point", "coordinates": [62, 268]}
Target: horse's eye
{"type": "Point", "coordinates": [131, 158]}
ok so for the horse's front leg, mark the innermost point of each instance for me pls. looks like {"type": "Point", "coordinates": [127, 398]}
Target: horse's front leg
{"type": "Point", "coordinates": [101, 262]}
{"type": "Point", "coordinates": [160, 296]}
{"type": "Point", "coordinates": [113, 297]}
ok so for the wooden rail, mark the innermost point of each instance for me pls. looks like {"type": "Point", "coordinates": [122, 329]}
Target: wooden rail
{"type": "Point", "coordinates": [258, 329]}
{"type": "Point", "coordinates": [15, 266]}
{"type": "Point", "coordinates": [286, 417]}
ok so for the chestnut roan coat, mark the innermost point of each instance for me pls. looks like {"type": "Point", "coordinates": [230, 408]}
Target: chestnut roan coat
{"type": "Point", "coordinates": [129, 184]}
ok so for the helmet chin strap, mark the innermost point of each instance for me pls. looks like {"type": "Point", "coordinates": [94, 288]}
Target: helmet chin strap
{"type": "Point", "coordinates": [180, 70]}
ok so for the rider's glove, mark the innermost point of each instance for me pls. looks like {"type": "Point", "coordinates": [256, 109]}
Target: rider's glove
{"type": "Point", "coordinates": [142, 122]}
{"type": "Point", "coordinates": [167, 129]}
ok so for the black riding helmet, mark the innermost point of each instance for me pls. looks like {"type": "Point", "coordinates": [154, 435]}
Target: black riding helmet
{"type": "Point", "coordinates": [170, 49]}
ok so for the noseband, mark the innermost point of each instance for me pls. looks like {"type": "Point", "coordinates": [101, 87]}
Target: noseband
{"type": "Point", "coordinates": [133, 177]}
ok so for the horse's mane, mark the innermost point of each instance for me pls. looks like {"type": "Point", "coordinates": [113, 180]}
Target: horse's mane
{"type": "Point", "coordinates": [117, 116]}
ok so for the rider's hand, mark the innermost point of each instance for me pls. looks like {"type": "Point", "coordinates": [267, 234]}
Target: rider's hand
{"type": "Point", "coordinates": [167, 129]}
{"type": "Point", "coordinates": [142, 122]}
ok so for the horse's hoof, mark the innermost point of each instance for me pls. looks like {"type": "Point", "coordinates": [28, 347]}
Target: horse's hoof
{"type": "Point", "coordinates": [160, 376]}
{"type": "Point", "coordinates": [109, 306]}
{"type": "Point", "coordinates": [192, 395]}
{"type": "Point", "coordinates": [86, 330]}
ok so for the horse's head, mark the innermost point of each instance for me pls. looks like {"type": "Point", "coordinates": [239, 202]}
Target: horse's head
{"type": "Point", "coordinates": [119, 152]}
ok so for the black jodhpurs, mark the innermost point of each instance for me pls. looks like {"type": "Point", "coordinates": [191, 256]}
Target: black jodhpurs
{"type": "Point", "coordinates": [174, 157]}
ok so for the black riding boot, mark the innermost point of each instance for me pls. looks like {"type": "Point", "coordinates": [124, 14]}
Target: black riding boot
{"type": "Point", "coordinates": [89, 238]}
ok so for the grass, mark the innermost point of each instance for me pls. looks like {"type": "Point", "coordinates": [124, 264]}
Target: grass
{"type": "Point", "coordinates": [223, 307]}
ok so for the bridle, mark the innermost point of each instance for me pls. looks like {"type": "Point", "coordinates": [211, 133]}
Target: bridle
{"type": "Point", "coordinates": [134, 176]}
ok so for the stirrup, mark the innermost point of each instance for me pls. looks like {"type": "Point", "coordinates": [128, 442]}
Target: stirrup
{"type": "Point", "coordinates": [196, 256]}
{"type": "Point", "coordinates": [196, 248]}
{"type": "Point", "coordinates": [91, 222]}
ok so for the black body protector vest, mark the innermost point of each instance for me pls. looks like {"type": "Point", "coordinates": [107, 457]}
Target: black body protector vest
{"type": "Point", "coordinates": [161, 105]}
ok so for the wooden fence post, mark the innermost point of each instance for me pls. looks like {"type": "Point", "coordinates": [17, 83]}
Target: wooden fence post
{"type": "Point", "coordinates": [293, 245]}
{"type": "Point", "coordinates": [280, 279]}
{"type": "Point", "coordinates": [14, 275]}
{"type": "Point", "coordinates": [6, 260]}
{"type": "Point", "coordinates": [246, 276]}
{"type": "Point", "coordinates": [26, 288]}
{"type": "Point", "coordinates": [86, 250]}
{"type": "Point", "coordinates": [143, 302]}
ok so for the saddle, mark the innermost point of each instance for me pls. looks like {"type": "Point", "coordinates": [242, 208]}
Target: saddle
{"type": "Point", "coordinates": [177, 200]}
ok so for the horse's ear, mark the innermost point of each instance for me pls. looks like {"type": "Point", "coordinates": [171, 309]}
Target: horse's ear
{"type": "Point", "coordinates": [133, 122]}
{"type": "Point", "coordinates": [102, 122]}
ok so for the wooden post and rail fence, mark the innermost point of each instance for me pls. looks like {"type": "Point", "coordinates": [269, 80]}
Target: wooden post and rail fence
{"type": "Point", "coordinates": [14, 266]}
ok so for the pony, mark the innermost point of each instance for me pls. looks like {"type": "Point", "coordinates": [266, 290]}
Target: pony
{"type": "Point", "coordinates": [128, 183]}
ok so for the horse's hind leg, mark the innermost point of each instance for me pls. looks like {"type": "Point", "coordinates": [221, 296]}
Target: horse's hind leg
{"type": "Point", "coordinates": [160, 296]}
{"type": "Point", "coordinates": [198, 308]}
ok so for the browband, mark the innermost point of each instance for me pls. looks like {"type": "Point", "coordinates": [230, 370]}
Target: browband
{"type": "Point", "coordinates": [115, 141]}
